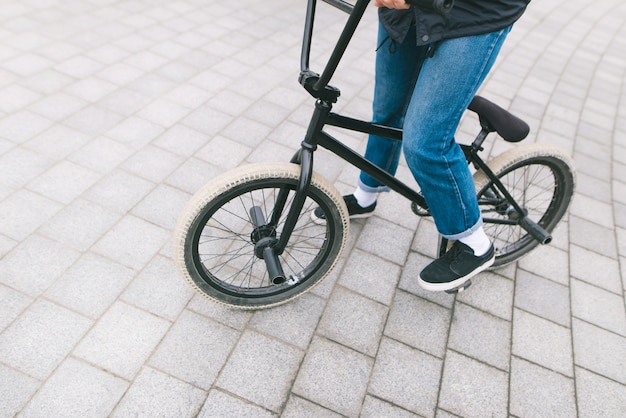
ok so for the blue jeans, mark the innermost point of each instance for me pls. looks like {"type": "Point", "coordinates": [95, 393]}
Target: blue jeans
{"type": "Point", "coordinates": [429, 108]}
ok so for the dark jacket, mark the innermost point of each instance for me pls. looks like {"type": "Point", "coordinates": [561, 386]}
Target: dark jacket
{"type": "Point", "coordinates": [467, 18]}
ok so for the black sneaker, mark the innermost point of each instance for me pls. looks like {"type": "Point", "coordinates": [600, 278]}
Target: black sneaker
{"type": "Point", "coordinates": [453, 269]}
{"type": "Point", "coordinates": [354, 210]}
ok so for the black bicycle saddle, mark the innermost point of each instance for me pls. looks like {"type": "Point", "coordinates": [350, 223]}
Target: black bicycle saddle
{"type": "Point", "coordinates": [496, 119]}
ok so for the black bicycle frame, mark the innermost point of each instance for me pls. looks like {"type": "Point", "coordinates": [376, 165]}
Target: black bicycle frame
{"type": "Point", "coordinates": [317, 85]}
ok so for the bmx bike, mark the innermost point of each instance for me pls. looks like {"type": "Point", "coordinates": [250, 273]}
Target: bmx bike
{"type": "Point", "coordinates": [247, 240]}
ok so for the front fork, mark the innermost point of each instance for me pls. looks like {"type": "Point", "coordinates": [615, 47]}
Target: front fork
{"type": "Point", "coordinates": [270, 247]}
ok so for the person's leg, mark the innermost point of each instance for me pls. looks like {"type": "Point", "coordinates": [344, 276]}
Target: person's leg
{"type": "Point", "coordinates": [397, 67]}
{"type": "Point", "coordinates": [448, 81]}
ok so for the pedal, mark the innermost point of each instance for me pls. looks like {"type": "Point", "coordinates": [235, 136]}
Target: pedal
{"type": "Point", "coordinates": [459, 289]}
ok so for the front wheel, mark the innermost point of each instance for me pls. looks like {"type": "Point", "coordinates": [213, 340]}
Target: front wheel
{"type": "Point", "coordinates": [217, 238]}
{"type": "Point", "coordinates": [541, 180]}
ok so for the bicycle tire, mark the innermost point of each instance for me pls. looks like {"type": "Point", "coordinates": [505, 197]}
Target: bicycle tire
{"type": "Point", "coordinates": [541, 179]}
{"type": "Point", "coordinates": [214, 242]}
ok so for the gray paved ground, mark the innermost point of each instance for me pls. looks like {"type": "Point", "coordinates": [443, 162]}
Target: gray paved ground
{"type": "Point", "coordinates": [113, 112]}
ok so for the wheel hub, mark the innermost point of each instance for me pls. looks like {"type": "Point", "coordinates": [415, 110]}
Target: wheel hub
{"type": "Point", "coordinates": [261, 232]}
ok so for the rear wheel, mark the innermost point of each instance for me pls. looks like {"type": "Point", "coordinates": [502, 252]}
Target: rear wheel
{"type": "Point", "coordinates": [219, 235]}
{"type": "Point", "coordinates": [541, 180]}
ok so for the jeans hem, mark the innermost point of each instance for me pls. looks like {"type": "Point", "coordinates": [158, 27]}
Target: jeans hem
{"type": "Point", "coordinates": [466, 233]}
{"type": "Point", "coordinates": [370, 189]}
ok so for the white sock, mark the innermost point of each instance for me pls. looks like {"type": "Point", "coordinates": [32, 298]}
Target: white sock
{"type": "Point", "coordinates": [478, 241]}
{"type": "Point", "coordinates": [363, 198]}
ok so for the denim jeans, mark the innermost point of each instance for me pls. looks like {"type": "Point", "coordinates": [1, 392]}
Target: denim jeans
{"type": "Point", "coordinates": [429, 108]}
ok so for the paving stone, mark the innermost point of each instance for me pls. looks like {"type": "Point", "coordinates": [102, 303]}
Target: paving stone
{"type": "Point", "coordinates": [181, 140]}
{"type": "Point", "coordinates": [481, 336]}
{"type": "Point", "coordinates": [23, 212]}
{"type": "Point", "coordinates": [473, 389]}
{"type": "Point", "coordinates": [208, 121]}
{"type": "Point", "coordinates": [261, 370]}
{"type": "Point", "coordinates": [426, 239]}
{"type": "Point", "coordinates": [599, 307]}
{"type": "Point", "coordinates": [92, 89]}
{"type": "Point", "coordinates": [64, 182]}
{"type": "Point", "coordinates": [594, 268]}
{"type": "Point", "coordinates": [162, 206]}
{"type": "Point", "coordinates": [6, 245]}
{"type": "Point", "coordinates": [406, 377]}
{"type": "Point", "coordinates": [543, 342]}
{"type": "Point", "coordinates": [119, 191]}
{"type": "Point", "coordinates": [91, 285]}
{"type": "Point", "coordinates": [132, 242]}
{"type": "Point", "coordinates": [268, 113]}
{"type": "Point", "coordinates": [220, 404]}
{"type": "Point", "coordinates": [58, 106]}
{"type": "Point", "coordinates": [156, 394]}
{"type": "Point", "coordinates": [334, 377]}
{"type": "Point", "coordinates": [164, 113]}
{"type": "Point", "coordinates": [294, 322]}
{"type": "Point", "coordinates": [56, 143]}
{"type": "Point", "coordinates": [79, 67]}
{"type": "Point", "coordinates": [207, 347]}
{"type": "Point", "coordinates": [373, 408]}
{"type": "Point", "coordinates": [33, 278]}
{"type": "Point", "coordinates": [234, 318]}
{"type": "Point", "coordinates": [393, 244]}
{"type": "Point", "coordinates": [619, 212]}
{"type": "Point", "coordinates": [93, 120]}
{"type": "Point", "coordinates": [397, 209]}
{"type": "Point", "coordinates": [598, 396]}
{"type": "Point", "coordinates": [543, 298]}
{"type": "Point", "coordinates": [12, 304]}
{"type": "Point", "coordinates": [15, 97]}
{"type": "Point", "coordinates": [592, 237]}
{"type": "Point", "coordinates": [548, 262]}
{"type": "Point", "coordinates": [80, 224]}
{"type": "Point", "coordinates": [599, 351]}
{"type": "Point", "coordinates": [22, 126]}
{"type": "Point", "coordinates": [593, 187]}
{"type": "Point", "coordinates": [491, 293]}
{"type": "Point", "coordinates": [77, 389]}
{"type": "Point", "coordinates": [122, 340]}
{"type": "Point", "coordinates": [419, 324]}
{"type": "Point", "coordinates": [159, 289]}
{"type": "Point", "coordinates": [49, 81]}
{"type": "Point", "coordinates": [101, 154]}
{"type": "Point", "coordinates": [370, 276]}
{"type": "Point", "coordinates": [233, 154]}
{"type": "Point", "coordinates": [298, 407]}
{"type": "Point", "coordinates": [41, 338]}
{"type": "Point", "coordinates": [271, 151]}
{"type": "Point", "coordinates": [623, 270]}
{"type": "Point", "coordinates": [120, 73]}
{"type": "Point", "coordinates": [192, 175]}
{"type": "Point", "coordinates": [251, 133]}
{"type": "Point", "coordinates": [178, 71]}
{"type": "Point", "coordinates": [536, 391]}
{"type": "Point", "coordinates": [136, 133]}
{"type": "Point", "coordinates": [15, 389]}
{"type": "Point", "coordinates": [325, 288]}
{"type": "Point", "coordinates": [152, 163]}
{"type": "Point", "coordinates": [593, 210]}
{"type": "Point", "coordinates": [124, 102]}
